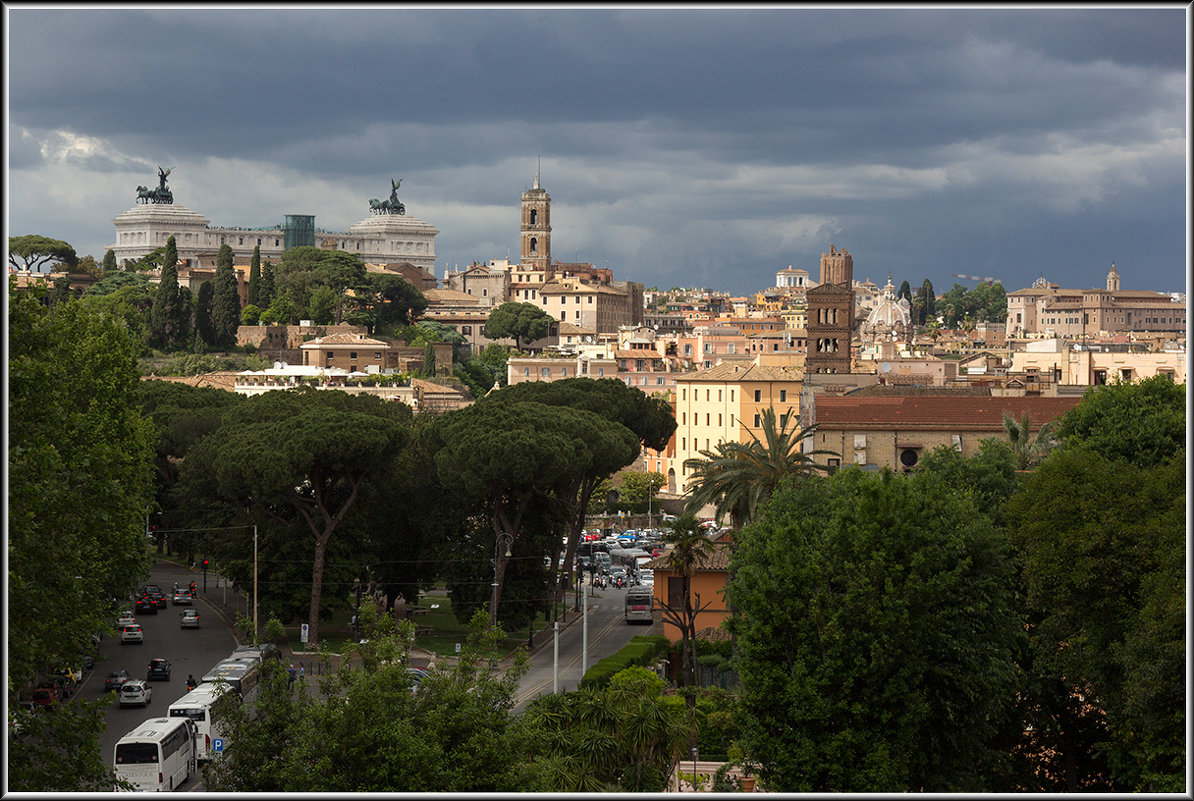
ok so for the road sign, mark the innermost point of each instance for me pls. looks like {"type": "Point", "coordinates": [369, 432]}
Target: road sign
{"type": "Point", "coordinates": [303, 632]}
{"type": "Point", "coordinates": [217, 744]}
{"type": "Point", "coordinates": [457, 647]}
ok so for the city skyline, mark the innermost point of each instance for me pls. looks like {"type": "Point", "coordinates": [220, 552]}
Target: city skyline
{"type": "Point", "coordinates": [695, 146]}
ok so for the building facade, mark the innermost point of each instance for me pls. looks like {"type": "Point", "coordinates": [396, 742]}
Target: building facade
{"type": "Point", "coordinates": [1047, 310]}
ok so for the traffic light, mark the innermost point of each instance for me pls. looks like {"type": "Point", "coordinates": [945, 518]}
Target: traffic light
{"type": "Point", "coordinates": [205, 564]}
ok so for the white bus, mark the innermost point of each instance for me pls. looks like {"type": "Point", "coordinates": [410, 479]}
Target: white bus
{"type": "Point", "coordinates": [241, 673]}
{"type": "Point", "coordinates": [196, 706]}
{"type": "Point", "coordinates": [157, 755]}
{"type": "Point", "coordinates": [638, 605]}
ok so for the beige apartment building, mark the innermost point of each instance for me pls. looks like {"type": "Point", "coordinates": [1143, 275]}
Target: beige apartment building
{"type": "Point", "coordinates": [725, 403]}
{"type": "Point", "coordinates": [1047, 310]}
{"type": "Point", "coordinates": [1068, 363]}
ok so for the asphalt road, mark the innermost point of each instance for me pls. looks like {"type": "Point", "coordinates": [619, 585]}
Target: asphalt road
{"type": "Point", "coordinates": [607, 633]}
{"type": "Point", "coordinates": [189, 651]}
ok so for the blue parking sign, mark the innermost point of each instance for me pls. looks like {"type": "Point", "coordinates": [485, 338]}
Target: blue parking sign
{"type": "Point", "coordinates": [217, 744]}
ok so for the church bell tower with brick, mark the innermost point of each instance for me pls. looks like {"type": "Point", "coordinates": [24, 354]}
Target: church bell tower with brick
{"type": "Point", "coordinates": [536, 229]}
{"type": "Point", "coordinates": [831, 315]}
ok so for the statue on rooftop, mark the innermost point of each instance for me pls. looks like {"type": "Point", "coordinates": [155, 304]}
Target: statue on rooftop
{"type": "Point", "coordinates": [159, 194]}
{"type": "Point", "coordinates": [391, 205]}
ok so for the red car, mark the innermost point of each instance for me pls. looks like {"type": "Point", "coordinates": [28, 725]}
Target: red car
{"type": "Point", "coordinates": [45, 697]}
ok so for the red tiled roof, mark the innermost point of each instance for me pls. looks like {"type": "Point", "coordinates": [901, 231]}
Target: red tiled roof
{"type": "Point", "coordinates": [959, 413]}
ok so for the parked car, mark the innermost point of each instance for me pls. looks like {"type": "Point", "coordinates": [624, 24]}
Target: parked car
{"type": "Point", "coordinates": [182, 597]}
{"type": "Point", "coordinates": [135, 692]}
{"type": "Point", "coordinates": [159, 669]}
{"type": "Point", "coordinates": [63, 685]}
{"type": "Point", "coordinates": [132, 633]}
{"type": "Point", "coordinates": [189, 619]}
{"type": "Point", "coordinates": [115, 679]}
{"type": "Point", "coordinates": [45, 697]}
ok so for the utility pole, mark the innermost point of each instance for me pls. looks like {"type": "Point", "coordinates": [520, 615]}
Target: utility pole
{"type": "Point", "coordinates": [255, 629]}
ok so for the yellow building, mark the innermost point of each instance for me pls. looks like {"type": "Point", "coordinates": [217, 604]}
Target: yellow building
{"type": "Point", "coordinates": [725, 403]}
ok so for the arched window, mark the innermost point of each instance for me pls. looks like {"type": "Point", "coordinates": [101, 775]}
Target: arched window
{"type": "Point", "coordinates": [534, 245]}
{"type": "Point", "coordinates": [534, 216]}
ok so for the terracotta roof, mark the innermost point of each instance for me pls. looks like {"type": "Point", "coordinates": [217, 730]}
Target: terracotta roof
{"type": "Point", "coordinates": [957, 413]}
{"type": "Point", "coordinates": [219, 380]}
{"type": "Point", "coordinates": [450, 296]}
{"type": "Point", "coordinates": [743, 371]}
{"type": "Point", "coordinates": [344, 339]}
{"type": "Point", "coordinates": [717, 559]}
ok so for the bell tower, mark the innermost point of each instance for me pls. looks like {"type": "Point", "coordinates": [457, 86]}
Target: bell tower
{"type": "Point", "coordinates": [536, 229]}
{"type": "Point", "coordinates": [1113, 279]}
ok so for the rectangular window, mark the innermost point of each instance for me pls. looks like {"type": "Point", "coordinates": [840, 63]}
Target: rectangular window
{"type": "Point", "coordinates": [683, 418]}
{"type": "Point", "coordinates": [719, 396]}
{"type": "Point", "coordinates": [758, 397]}
{"type": "Point", "coordinates": [545, 372]}
{"type": "Point", "coordinates": [526, 371]}
{"type": "Point", "coordinates": [706, 394]}
{"type": "Point", "coordinates": [377, 355]}
{"type": "Point", "coordinates": [719, 419]}
{"type": "Point", "coordinates": [756, 421]}
{"type": "Point", "coordinates": [783, 396]}
{"type": "Point", "coordinates": [600, 371]}
{"type": "Point", "coordinates": [352, 354]}
{"type": "Point", "coordinates": [684, 393]}
{"type": "Point", "coordinates": [706, 418]}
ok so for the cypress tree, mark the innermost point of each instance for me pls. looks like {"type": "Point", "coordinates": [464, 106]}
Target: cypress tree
{"type": "Point", "coordinates": [225, 305]}
{"type": "Point", "coordinates": [203, 326]}
{"type": "Point", "coordinates": [926, 291]}
{"type": "Point", "coordinates": [109, 263]}
{"type": "Point", "coordinates": [255, 277]}
{"type": "Point", "coordinates": [164, 317]}
{"type": "Point", "coordinates": [265, 294]}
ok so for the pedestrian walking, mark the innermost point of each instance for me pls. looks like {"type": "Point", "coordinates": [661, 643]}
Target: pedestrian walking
{"type": "Point", "coordinates": [302, 670]}
{"type": "Point", "coordinates": [292, 673]}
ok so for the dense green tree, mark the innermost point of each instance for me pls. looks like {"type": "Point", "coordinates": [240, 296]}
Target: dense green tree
{"type": "Point", "coordinates": [109, 264]}
{"type": "Point", "coordinates": [79, 480]}
{"type": "Point", "coordinates": [225, 302]}
{"type": "Point", "coordinates": [369, 730]}
{"type": "Point", "coordinates": [989, 475]}
{"type": "Point", "coordinates": [625, 737]}
{"type": "Point", "coordinates": [265, 294]}
{"type": "Point", "coordinates": [169, 319]}
{"type": "Point", "coordinates": [303, 270]}
{"type": "Point", "coordinates": [388, 303]}
{"type": "Point", "coordinates": [905, 292]}
{"type": "Point", "coordinates": [737, 478]}
{"type": "Point", "coordinates": [34, 251]}
{"type": "Point", "coordinates": [88, 265]}
{"type": "Point", "coordinates": [524, 322]}
{"type": "Point", "coordinates": [203, 308]}
{"type": "Point", "coordinates": [321, 308]}
{"type": "Point", "coordinates": [59, 291]}
{"type": "Point", "coordinates": [300, 456]}
{"type": "Point", "coordinates": [512, 453]}
{"type": "Point", "coordinates": [1102, 543]}
{"type": "Point", "coordinates": [255, 277]}
{"type": "Point", "coordinates": [59, 754]}
{"type": "Point", "coordinates": [928, 305]}
{"type": "Point", "coordinates": [876, 636]}
{"type": "Point", "coordinates": [127, 297]}
{"type": "Point", "coordinates": [650, 420]}
{"type": "Point", "coordinates": [1143, 423]}
{"type": "Point", "coordinates": [637, 489]}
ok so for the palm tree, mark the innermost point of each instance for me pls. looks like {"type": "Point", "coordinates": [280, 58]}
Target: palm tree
{"type": "Point", "coordinates": [738, 478]}
{"type": "Point", "coordinates": [1028, 450]}
{"type": "Point", "coordinates": [690, 546]}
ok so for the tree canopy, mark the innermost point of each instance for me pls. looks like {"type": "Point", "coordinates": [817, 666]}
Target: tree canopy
{"type": "Point", "coordinates": [524, 322]}
{"type": "Point", "coordinates": [879, 608]}
{"type": "Point", "coordinates": [35, 250]}
{"type": "Point", "coordinates": [1143, 423]}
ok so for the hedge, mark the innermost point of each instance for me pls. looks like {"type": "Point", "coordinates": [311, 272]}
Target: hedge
{"type": "Point", "coordinates": [641, 651]}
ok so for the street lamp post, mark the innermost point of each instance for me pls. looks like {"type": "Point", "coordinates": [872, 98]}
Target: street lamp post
{"type": "Point", "coordinates": [255, 629]}
{"type": "Point", "coordinates": [493, 600]}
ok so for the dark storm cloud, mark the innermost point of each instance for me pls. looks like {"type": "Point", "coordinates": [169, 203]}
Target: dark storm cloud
{"type": "Point", "coordinates": [714, 143]}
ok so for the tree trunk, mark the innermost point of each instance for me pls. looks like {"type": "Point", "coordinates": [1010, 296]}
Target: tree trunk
{"type": "Point", "coordinates": [321, 547]}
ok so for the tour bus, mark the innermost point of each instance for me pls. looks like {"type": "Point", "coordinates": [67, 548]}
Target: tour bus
{"type": "Point", "coordinates": [638, 605]}
{"type": "Point", "coordinates": [157, 755]}
{"type": "Point", "coordinates": [196, 706]}
{"type": "Point", "coordinates": [240, 672]}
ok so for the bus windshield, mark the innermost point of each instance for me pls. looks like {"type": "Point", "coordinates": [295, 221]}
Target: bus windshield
{"type": "Point", "coordinates": [136, 753]}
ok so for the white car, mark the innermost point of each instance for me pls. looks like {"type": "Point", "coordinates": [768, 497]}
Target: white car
{"type": "Point", "coordinates": [135, 692]}
{"type": "Point", "coordinates": [132, 633]}
{"type": "Point", "coordinates": [125, 619]}
{"type": "Point", "coordinates": [189, 619]}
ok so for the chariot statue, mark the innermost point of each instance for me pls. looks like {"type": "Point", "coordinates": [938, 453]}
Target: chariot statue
{"type": "Point", "coordinates": [159, 194]}
{"type": "Point", "coordinates": [391, 205]}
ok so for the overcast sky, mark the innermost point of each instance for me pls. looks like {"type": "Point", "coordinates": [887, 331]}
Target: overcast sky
{"type": "Point", "coordinates": [699, 146]}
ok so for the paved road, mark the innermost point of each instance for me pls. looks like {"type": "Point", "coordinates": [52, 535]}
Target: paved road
{"type": "Point", "coordinates": [607, 633]}
{"type": "Point", "coordinates": [189, 651]}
